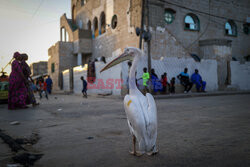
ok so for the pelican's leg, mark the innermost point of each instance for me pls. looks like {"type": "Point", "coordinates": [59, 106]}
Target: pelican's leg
{"type": "Point", "coordinates": [134, 143]}
{"type": "Point", "coordinates": [134, 152]}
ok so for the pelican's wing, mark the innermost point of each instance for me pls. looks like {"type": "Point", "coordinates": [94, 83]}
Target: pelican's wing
{"type": "Point", "coordinates": [152, 123]}
{"type": "Point", "coordinates": [152, 110]}
{"type": "Point", "coordinates": [135, 117]}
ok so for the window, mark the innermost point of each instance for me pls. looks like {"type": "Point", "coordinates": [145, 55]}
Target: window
{"type": "Point", "coordinates": [192, 22]}
{"type": "Point", "coordinates": [114, 22]}
{"type": "Point", "coordinates": [80, 24]}
{"type": "Point", "coordinates": [96, 31]}
{"type": "Point", "coordinates": [169, 15]}
{"type": "Point", "coordinates": [64, 35]}
{"type": "Point", "coordinates": [230, 28]}
{"type": "Point", "coordinates": [83, 2]}
{"type": "Point", "coordinates": [246, 28]}
{"type": "Point", "coordinates": [89, 25]}
{"type": "Point", "coordinates": [103, 23]}
{"type": "Point", "coordinates": [53, 67]}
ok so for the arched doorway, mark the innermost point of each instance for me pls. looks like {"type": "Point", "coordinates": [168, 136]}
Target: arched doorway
{"type": "Point", "coordinates": [89, 25]}
{"type": "Point", "coordinates": [96, 30]}
{"type": "Point", "coordinates": [103, 22]}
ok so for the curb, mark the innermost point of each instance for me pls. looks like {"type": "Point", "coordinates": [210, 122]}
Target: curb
{"type": "Point", "coordinates": [176, 96]}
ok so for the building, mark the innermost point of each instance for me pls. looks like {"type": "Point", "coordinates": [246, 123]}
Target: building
{"type": "Point", "coordinates": [203, 30]}
{"type": "Point", "coordinates": [39, 68]}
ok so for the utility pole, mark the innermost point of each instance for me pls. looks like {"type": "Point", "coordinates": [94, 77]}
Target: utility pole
{"type": "Point", "coordinates": [149, 38]}
{"type": "Point", "coordinates": [142, 23]}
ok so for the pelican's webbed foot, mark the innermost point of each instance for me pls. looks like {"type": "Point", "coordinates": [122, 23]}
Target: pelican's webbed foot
{"type": "Point", "coordinates": [138, 154]}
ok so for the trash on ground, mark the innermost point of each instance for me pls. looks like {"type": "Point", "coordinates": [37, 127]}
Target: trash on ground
{"type": "Point", "coordinates": [90, 138]}
{"type": "Point", "coordinates": [15, 123]}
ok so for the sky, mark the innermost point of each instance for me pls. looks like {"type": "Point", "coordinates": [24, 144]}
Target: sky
{"type": "Point", "coordinates": [30, 26]}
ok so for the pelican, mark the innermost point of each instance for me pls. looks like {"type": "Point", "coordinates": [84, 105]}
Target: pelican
{"type": "Point", "coordinates": [140, 110]}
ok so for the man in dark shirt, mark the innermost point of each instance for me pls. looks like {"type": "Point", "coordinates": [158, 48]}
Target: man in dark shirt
{"type": "Point", "coordinates": [184, 79]}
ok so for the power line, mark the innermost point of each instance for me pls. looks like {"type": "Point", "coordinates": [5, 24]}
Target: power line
{"type": "Point", "coordinates": [37, 9]}
{"type": "Point", "coordinates": [194, 10]}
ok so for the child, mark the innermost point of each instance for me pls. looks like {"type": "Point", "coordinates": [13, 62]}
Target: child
{"type": "Point", "coordinates": [84, 89]}
{"type": "Point", "coordinates": [172, 85]}
{"type": "Point", "coordinates": [43, 88]}
{"type": "Point", "coordinates": [164, 82]}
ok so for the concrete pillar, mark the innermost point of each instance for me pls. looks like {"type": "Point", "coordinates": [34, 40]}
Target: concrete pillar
{"type": "Point", "coordinates": [79, 59]}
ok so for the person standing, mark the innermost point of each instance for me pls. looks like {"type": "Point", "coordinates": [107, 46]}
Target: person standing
{"type": "Point", "coordinates": [84, 88]}
{"type": "Point", "coordinates": [18, 93]}
{"type": "Point", "coordinates": [197, 80]}
{"type": "Point", "coordinates": [145, 78]}
{"type": "Point", "coordinates": [27, 72]}
{"type": "Point", "coordinates": [172, 85]}
{"type": "Point", "coordinates": [49, 83]}
{"type": "Point", "coordinates": [156, 83]}
{"type": "Point", "coordinates": [43, 88]}
{"type": "Point", "coordinates": [164, 82]}
{"type": "Point", "coordinates": [184, 79]}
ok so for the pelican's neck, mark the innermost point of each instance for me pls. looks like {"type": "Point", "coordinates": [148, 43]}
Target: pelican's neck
{"type": "Point", "coordinates": [132, 78]}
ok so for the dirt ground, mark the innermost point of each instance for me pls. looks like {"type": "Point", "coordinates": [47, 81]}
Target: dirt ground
{"type": "Point", "coordinates": [74, 131]}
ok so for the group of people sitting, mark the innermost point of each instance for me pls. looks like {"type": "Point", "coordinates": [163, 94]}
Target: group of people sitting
{"type": "Point", "coordinates": [161, 85]}
{"type": "Point", "coordinates": [21, 85]}
{"type": "Point", "coordinates": [195, 79]}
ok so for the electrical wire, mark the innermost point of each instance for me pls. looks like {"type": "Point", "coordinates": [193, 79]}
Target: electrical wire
{"type": "Point", "coordinates": [37, 9]}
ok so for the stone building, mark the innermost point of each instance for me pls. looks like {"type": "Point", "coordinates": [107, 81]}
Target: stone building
{"type": "Point", "coordinates": [217, 30]}
{"type": "Point", "coordinates": [39, 68]}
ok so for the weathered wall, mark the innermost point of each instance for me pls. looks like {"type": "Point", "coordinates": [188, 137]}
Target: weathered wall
{"type": "Point", "coordinates": [221, 51]}
{"type": "Point", "coordinates": [39, 68]}
{"type": "Point", "coordinates": [53, 53]}
{"type": "Point", "coordinates": [240, 75]}
{"type": "Point", "coordinates": [65, 24]}
{"type": "Point", "coordinates": [113, 39]}
{"type": "Point", "coordinates": [61, 55]}
{"type": "Point", "coordinates": [103, 83]}
{"type": "Point", "coordinates": [210, 27]}
{"type": "Point", "coordinates": [164, 44]}
{"type": "Point", "coordinates": [66, 81]}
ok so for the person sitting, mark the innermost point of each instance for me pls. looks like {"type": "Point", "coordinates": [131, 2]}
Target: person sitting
{"type": "Point", "coordinates": [156, 83]}
{"type": "Point", "coordinates": [184, 79]}
{"type": "Point", "coordinates": [197, 80]}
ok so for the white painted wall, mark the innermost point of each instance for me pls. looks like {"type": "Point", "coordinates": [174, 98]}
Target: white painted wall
{"type": "Point", "coordinates": [173, 66]}
{"type": "Point", "coordinates": [66, 82]}
{"type": "Point", "coordinates": [113, 74]}
{"type": "Point", "coordinates": [240, 75]}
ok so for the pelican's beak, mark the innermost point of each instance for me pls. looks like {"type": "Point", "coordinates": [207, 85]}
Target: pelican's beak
{"type": "Point", "coordinates": [123, 57]}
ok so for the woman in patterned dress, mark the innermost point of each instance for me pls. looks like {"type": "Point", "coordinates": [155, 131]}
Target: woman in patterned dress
{"type": "Point", "coordinates": [27, 72]}
{"type": "Point", "coordinates": [17, 90]}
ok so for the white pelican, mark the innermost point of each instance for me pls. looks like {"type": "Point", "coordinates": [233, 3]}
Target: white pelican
{"type": "Point", "coordinates": [140, 110]}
